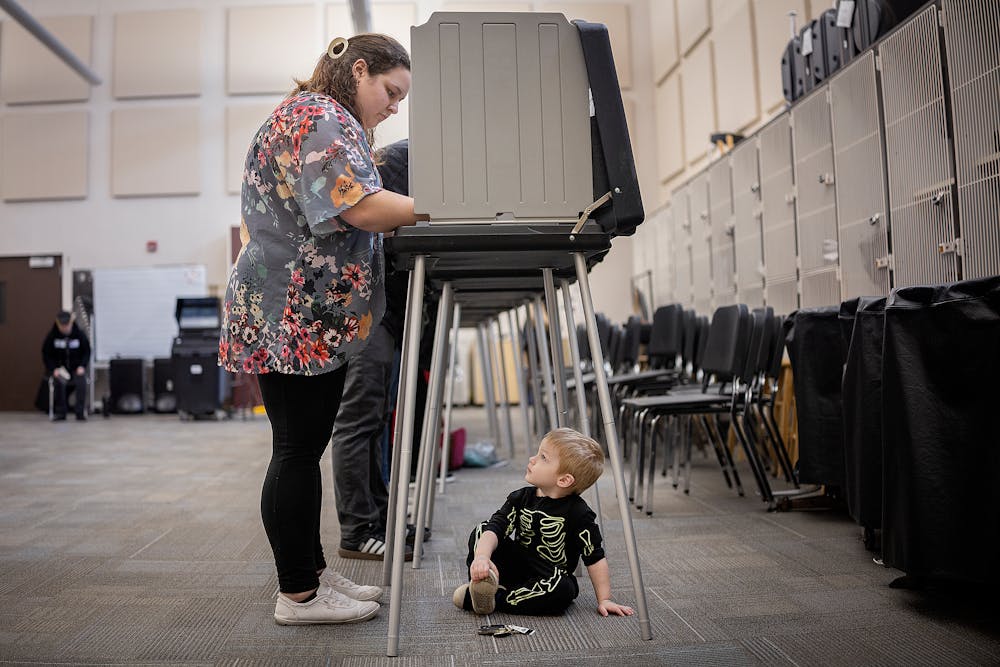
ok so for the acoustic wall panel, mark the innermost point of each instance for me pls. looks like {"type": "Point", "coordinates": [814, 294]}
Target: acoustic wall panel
{"type": "Point", "coordinates": [701, 243]}
{"type": "Point", "coordinates": [777, 189]}
{"type": "Point", "coordinates": [861, 199]}
{"type": "Point", "coordinates": [669, 127]}
{"type": "Point", "coordinates": [693, 21]}
{"type": "Point", "coordinates": [816, 199]}
{"type": "Point", "coordinates": [772, 34]}
{"type": "Point", "coordinates": [44, 155]}
{"type": "Point", "coordinates": [251, 68]}
{"type": "Point", "coordinates": [493, 7]}
{"type": "Point", "coordinates": [971, 27]}
{"type": "Point", "coordinates": [30, 73]}
{"type": "Point", "coordinates": [155, 151]}
{"type": "Point", "coordinates": [615, 16]}
{"type": "Point", "coordinates": [504, 124]}
{"type": "Point", "coordinates": [747, 241]}
{"type": "Point", "coordinates": [157, 54]}
{"type": "Point", "coordinates": [921, 180]}
{"type": "Point", "coordinates": [242, 123]}
{"type": "Point", "coordinates": [735, 73]}
{"type": "Point", "coordinates": [720, 192]}
{"type": "Point", "coordinates": [663, 27]}
{"type": "Point", "coordinates": [698, 96]}
{"type": "Point", "coordinates": [682, 247]}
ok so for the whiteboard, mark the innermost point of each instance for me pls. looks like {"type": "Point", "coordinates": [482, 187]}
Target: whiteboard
{"type": "Point", "coordinates": [134, 308]}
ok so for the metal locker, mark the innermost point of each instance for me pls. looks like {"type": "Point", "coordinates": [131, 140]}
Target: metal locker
{"type": "Point", "coordinates": [720, 192]}
{"type": "Point", "coordinates": [777, 191]}
{"type": "Point", "coordinates": [921, 178]}
{"type": "Point", "coordinates": [663, 254]}
{"type": "Point", "coordinates": [783, 295]}
{"type": "Point", "coordinates": [860, 169]}
{"type": "Point", "coordinates": [816, 204]}
{"type": "Point", "coordinates": [970, 29]}
{"type": "Point", "coordinates": [747, 241]}
{"type": "Point", "coordinates": [701, 243]}
{"type": "Point", "coordinates": [682, 247]}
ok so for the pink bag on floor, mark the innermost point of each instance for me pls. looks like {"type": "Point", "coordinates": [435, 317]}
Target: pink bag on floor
{"type": "Point", "coordinates": [457, 454]}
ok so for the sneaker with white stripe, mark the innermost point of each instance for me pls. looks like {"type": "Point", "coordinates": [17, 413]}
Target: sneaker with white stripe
{"type": "Point", "coordinates": [371, 548]}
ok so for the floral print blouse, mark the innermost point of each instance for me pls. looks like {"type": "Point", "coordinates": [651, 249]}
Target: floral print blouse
{"type": "Point", "coordinates": [307, 287]}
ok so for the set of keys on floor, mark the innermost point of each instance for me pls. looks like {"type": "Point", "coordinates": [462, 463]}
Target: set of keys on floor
{"type": "Point", "coordinates": [504, 630]}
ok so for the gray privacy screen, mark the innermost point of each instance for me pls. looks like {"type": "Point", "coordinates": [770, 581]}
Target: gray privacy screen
{"type": "Point", "coordinates": [499, 118]}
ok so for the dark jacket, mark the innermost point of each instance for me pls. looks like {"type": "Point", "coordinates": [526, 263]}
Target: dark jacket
{"type": "Point", "coordinates": [69, 351]}
{"type": "Point", "coordinates": [395, 173]}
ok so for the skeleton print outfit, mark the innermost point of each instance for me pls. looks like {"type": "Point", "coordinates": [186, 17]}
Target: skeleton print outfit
{"type": "Point", "coordinates": [540, 540]}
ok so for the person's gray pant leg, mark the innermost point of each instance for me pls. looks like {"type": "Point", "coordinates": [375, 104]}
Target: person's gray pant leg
{"type": "Point", "coordinates": [361, 494]}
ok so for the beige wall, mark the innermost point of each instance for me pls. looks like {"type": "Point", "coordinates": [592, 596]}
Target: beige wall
{"type": "Point", "coordinates": [103, 201]}
{"type": "Point", "coordinates": [716, 68]}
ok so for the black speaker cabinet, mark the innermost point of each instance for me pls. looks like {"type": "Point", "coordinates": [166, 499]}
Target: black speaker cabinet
{"type": "Point", "coordinates": [125, 377]}
{"type": "Point", "coordinates": [164, 397]}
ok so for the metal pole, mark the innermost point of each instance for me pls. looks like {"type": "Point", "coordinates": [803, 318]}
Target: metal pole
{"type": "Point", "coordinates": [501, 368]}
{"type": "Point", "coordinates": [29, 23]}
{"type": "Point", "coordinates": [515, 337]}
{"type": "Point", "coordinates": [397, 429]}
{"type": "Point", "coordinates": [450, 395]}
{"type": "Point", "coordinates": [536, 387]}
{"type": "Point", "coordinates": [489, 400]}
{"type": "Point", "coordinates": [611, 435]}
{"type": "Point", "coordinates": [432, 413]}
{"type": "Point", "coordinates": [403, 441]}
{"type": "Point", "coordinates": [581, 398]}
{"type": "Point", "coordinates": [555, 345]}
{"type": "Point", "coordinates": [546, 366]}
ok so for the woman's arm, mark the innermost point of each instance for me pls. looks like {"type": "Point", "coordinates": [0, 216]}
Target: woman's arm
{"type": "Point", "coordinates": [382, 211]}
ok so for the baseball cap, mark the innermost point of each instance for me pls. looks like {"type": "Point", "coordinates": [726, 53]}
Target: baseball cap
{"type": "Point", "coordinates": [63, 317]}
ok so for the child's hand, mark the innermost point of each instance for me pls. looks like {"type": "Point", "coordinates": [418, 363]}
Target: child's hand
{"type": "Point", "coordinates": [606, 607]}
{"type": "Point", "coordinates": [480, 567]}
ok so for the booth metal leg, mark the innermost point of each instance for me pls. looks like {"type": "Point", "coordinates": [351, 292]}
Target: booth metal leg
{"type": "Point", "coordinates": [536, 385]}
{"type": "Point", "coordinates": [543, 356]}
{"type": "Point", "coordinates": [432, 413]}
{"type": "Point", "coordinates": [515, 338]}
{"type": "Point", "coordinates": [583, 421]}
{"type": "Point", "coordinates": [555, 348]}
{"type": "Point", "coordinates": [449, 394]}
{"type": "Point", "coordinates": [396, 544]}
{"type": "Point", "coordinates": [489, 400]}
{"type": "Point", "coordinates": [501, 373]}
{"type": "Point", "coordinates": [601, 382]}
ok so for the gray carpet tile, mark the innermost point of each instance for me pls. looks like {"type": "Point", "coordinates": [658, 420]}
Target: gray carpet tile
{"type": "Point", "coordinates": [137, 540]}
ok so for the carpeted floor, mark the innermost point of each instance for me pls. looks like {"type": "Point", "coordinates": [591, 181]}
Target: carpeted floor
{"type": "Point", "coordinates": [137, 540]}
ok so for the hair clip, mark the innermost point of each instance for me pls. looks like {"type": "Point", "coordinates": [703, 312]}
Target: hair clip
{"type": "Point", "coordinates": [337, 48]}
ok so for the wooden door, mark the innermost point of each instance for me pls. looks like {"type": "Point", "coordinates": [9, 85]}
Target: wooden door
{"type": "Point", "coordinates": [30, 297]}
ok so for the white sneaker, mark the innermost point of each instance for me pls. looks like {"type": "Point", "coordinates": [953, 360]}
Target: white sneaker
{"type": "Point", "coordinates": [328, 606]}
{"type": "Point", "coordinates": [342, 584]}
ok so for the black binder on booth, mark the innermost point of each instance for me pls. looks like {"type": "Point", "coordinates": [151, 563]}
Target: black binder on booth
{"type": "Point", "coordinates": [199, 383]}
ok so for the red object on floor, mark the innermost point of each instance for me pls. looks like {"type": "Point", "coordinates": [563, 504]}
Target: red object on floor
{"type": "Point", "coordinates": [457, 453]}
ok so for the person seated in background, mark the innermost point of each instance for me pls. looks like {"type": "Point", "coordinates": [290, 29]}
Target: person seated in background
{"type": "Point", "coordinates": [66, 353]}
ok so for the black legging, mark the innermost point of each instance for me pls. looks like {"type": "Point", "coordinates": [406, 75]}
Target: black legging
{"type": "Point", "coordinates": [301, 410]}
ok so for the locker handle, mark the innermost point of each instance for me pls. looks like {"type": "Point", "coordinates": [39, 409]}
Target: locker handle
{"type": "Point", "coordinates": [755, 188]}
{"type": "Point", "coordinates": [874, 219]}
{"type": "Point", "coordinates": [826, 179]}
